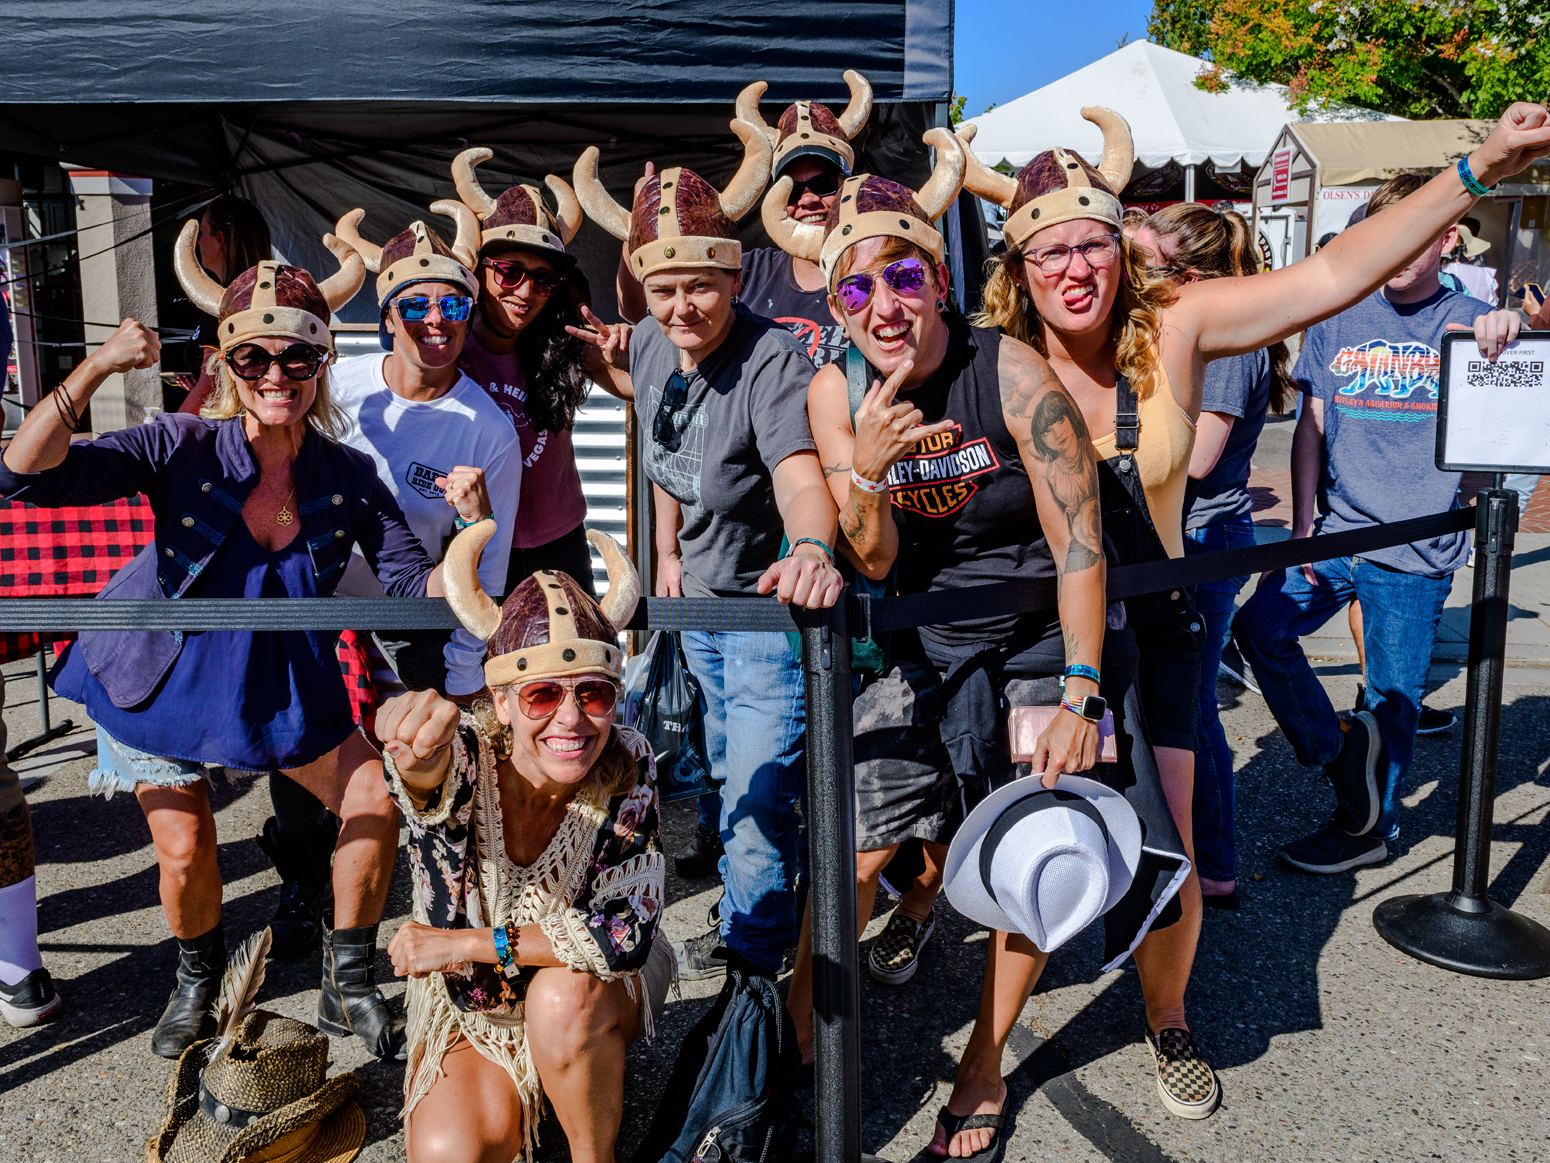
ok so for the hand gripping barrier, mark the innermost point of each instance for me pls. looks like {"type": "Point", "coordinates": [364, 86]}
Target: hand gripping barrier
{"type": "Point", "coordinates": [1462, 930]}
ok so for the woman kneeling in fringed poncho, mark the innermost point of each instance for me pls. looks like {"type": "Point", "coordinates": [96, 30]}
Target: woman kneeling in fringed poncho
{"type": "Point", "coordinates": [533, 956]}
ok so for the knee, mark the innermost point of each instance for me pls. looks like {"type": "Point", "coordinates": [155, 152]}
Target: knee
{"type": "Point", "coordinates": [364, 797]}
{"type": "Point", "coordinates": [460, 1141]}
{"type": "Point", "coordinates": [182, 843]}
{"type": "Point", "coordinates": [870, 865]}
{"type": "Point", "coordinates": [567, 1011]}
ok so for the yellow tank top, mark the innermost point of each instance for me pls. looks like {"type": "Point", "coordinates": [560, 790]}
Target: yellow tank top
{"type": "Point", "coordinates": [1162, 454]}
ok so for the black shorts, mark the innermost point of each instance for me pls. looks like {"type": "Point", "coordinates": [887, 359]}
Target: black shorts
{"type": "Point", "coordinates": [905, 786]}
{"type": "Point", "coordinates": [1168, 677]}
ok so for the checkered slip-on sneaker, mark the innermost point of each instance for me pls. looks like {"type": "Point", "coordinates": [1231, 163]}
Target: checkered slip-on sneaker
{"type": "Point", "coordinates": [1188, 1086]}
{"type": "Point", "coordinates": [896, 953]}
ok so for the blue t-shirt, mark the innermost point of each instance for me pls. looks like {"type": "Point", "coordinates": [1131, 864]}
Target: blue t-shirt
{"type": "Point", "coordinates": [1236, 386]}
{"type": "Point", "coordinates": [1375, 367]}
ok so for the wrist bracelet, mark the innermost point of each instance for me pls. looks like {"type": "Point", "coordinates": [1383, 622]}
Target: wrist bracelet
{"type": "Point", "coordinates": [457, 519]}
{"type": "Point", "coordinates": [867, 486]}
{"type": "Point", "coordinates": [1471, 183]}
{"type": "Point", "coordinates": [502, 948]}
{"type": "Point", "coordinates": [811, 541]}
{"type": "Point", "coordinates": [513, 941]}
{"type": "Point", "coordinates": [1075, 707]}
{"type": "Point", "coordinates": [1077, 670]}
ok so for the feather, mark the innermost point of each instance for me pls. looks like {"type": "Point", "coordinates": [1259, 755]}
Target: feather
{"type": "Point", "coordinates": [239, 989]}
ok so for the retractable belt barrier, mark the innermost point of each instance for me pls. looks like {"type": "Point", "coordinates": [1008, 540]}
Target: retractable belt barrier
{"type": "Point", "coordinates": [1462, 930]}
{"type": "Point", "coordinates": [733, 614]}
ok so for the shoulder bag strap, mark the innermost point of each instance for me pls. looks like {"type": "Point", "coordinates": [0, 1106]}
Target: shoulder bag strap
{"type": "Point", "coordinates": [1127, 417]}
{"type": "Point", "coordinates": [855, 380]}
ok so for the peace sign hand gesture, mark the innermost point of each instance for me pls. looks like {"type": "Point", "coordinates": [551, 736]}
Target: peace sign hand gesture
{"type": "Point", "coordinates": [610, 341]}
{"type": "Point", "coordinates": [886, 430]}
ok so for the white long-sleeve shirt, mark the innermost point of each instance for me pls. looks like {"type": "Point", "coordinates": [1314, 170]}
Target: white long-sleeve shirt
{"type": "Point", "coordinates": [413, 443]}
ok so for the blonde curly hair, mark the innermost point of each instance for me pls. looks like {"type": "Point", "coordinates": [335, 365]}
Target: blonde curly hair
{"type": "Point", "coordinates": [1138, 312]}
{"type": "Point", "coordinates": [325, 417]}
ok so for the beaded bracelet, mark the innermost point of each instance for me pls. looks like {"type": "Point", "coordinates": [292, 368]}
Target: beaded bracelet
{"type": "Point", "coordinates": [1471, 183]}
{"type": "Point", "coordinates": [867, 486]}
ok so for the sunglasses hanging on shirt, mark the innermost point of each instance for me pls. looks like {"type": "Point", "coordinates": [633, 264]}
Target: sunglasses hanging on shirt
{"type": "Point", "coordinates": [674, 396]}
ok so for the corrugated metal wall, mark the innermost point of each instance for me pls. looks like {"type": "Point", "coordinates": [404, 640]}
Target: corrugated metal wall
{"type": "Point", "coordinates": [600, 454]}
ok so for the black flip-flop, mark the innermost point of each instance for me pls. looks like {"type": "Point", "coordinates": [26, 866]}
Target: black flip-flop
{"type": "Point", "coordinates": [952, 1124]}
{"type": "Point", "coordinates": [1229, 900]}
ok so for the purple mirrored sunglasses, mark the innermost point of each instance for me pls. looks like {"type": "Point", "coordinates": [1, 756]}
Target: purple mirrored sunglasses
{"type": "Point", "coordinates": [905, 277]}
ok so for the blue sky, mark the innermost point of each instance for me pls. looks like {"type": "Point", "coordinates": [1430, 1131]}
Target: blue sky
{"type": "Point", "coordinates": [1005, 48]}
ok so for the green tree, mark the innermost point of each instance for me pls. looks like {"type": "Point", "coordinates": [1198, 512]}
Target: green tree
{"type": "Point", "coordinates": [955, 112]}
{"type": "Point", "coordinates": [1415, 58]}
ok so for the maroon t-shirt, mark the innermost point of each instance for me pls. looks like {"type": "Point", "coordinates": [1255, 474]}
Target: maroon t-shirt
{"type": "Point", "coordinates": [551, 504]}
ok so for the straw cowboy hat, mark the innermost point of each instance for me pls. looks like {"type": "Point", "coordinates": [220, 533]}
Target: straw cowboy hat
{"type": "Point", "coordinates": [1044, 862]}
{"type": "Point", "coordinates": [1473, 247]}
{"type": "Point", "coordinates": [808, 129]}
{"type": "Point", "coordinates": [1058, 185]}
{"type": "Point", "coordinates": [868, 207]}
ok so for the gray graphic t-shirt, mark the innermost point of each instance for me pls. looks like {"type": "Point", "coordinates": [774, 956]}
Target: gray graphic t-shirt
{"type": "Point", "coordinates": [770, 290]}
{"type": "Point", "coordinates": [1375, 366]}
{"type": "Point", "coordinates": [746, 412]}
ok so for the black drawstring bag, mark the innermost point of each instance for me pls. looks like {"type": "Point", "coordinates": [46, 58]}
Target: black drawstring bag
{"type": "Point", "coordinates": [669, 715]}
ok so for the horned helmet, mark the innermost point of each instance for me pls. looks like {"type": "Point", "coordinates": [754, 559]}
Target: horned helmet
{"type": "Point", "coordinates": [518, 218]}
{"type": "Point", "coordinates": [809, 129]}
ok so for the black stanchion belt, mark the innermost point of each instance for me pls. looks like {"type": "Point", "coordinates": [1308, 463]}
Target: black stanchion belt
{"type": "Point", "coordinates": [940, 607]}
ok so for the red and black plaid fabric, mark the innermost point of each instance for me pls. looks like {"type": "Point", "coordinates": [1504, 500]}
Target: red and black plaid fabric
{"type": "Point", "coordinates": [68, 552]}
{"type": "Point", "coordinates": [356, 668]}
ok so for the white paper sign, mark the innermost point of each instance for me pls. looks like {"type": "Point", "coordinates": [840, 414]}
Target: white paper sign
{"type": "Point", "coordinates": [1495, 417]}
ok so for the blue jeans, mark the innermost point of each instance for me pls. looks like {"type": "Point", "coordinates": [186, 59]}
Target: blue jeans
{"type": "Point", "coordinates": [1215, 851]}
{"type": "Point", "coordinates": [756, 736]}
{"type": "Point", "coordinates": [1400, 612]}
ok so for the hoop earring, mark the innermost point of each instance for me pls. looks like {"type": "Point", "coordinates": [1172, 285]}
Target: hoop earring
{"type": "Point", "coordinates": [941, 305]}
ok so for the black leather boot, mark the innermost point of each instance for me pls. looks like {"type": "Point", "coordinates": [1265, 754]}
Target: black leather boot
{"type": "Point", "coordinates": [304, 859]}
{"type": "Point", "coordinates": [188, 1016]}
{"type": "Point", "coordinates": [700, 856]}
{"type": "Point", "coordinates": [351, 1003]}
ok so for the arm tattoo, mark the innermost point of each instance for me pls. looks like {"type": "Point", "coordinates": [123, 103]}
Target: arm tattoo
{"type": "Point", "coordinates": [1057, 438]}
{"type": "Point", "coordinates": [834, 470]}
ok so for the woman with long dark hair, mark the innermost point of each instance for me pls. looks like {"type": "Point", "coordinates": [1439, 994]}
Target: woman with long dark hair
{"type": "Point", "coordinates": [1189, 242]}
{"type": "Point", "coordinates": [526, 351]}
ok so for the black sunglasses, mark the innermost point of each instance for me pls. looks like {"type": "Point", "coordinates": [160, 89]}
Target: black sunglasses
{"type": "Point", "coordinates": [299, 361]}
{"type": "Point", "coordinates": [674, 396]}
{"type": "Point", "coordinates": [820, 185]}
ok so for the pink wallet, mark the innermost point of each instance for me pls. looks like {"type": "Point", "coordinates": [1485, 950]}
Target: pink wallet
{"type": "Point", "coordinates": [1025, 724]}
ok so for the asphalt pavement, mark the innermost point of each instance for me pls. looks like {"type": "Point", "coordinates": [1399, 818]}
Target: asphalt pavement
{"type": "Point", "coordinates": [1331, 1044]}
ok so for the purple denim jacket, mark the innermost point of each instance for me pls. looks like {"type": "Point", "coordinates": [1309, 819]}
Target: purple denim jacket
{"type": "Point", "coordinates": [197, 475]}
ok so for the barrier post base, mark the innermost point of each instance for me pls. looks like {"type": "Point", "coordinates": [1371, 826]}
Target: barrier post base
{"type": "Point", "coordinates": [1474, 936]}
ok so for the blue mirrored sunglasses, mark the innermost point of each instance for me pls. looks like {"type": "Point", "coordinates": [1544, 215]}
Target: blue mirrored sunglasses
{"type": "Point", "coordinates": [453, 308]}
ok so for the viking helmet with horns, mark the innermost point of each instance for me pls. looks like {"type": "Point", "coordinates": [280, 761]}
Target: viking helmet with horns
{"type": "Point", "coordinates": [270, 299]}
{"type": "Point", "coordinates": [808, 129]}
{"type": "Point", "coordinates": [1058, 185]}
{"type": "Point", "coordinates": [418, 254]}
{"type": "Point", "coordinates": [548, 627]}
{"type": "Point", "coordinates": [518, 218]}
{"type": "Point", "coordinates": [869, 207]}
{"type": "Point", "coordinates": [679, 219]}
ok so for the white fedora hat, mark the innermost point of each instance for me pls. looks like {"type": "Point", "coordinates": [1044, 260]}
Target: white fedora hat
{"type": "Point", "coordinates": [1044, 862]}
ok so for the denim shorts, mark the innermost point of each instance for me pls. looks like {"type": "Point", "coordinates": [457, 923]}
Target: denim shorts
{"type": "Point", "coordinates": [120, 767]}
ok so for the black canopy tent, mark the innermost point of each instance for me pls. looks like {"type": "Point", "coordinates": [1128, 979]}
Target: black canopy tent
{"type": "Point", "coordinates": [311, 111]}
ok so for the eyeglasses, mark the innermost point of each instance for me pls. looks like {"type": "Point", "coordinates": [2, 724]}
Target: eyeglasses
{"type": "Point", "coordinates": [415, 308]}
{"type": "Point", "coordinates": [1052, 260]}
{"type": "Point", "coordinates": [819, 185]}
{"type": "Point", "coordinates": [905, 277]}
{"type": "Point", "coordinates": [510, 276]}
{"type": "Point", "coordinates": [299, 361]}
{"type": "Point", "coordinates": [542, 700]}
{"type": "Point", "coordinates": [674, 396]}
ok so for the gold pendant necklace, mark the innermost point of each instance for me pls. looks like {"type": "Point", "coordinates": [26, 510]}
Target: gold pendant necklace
{"type": "Point", "coordinates": [285, 516]}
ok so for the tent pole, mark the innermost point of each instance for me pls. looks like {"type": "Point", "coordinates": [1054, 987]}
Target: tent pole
{"type": "Point", "coordinates": [1189, 183]}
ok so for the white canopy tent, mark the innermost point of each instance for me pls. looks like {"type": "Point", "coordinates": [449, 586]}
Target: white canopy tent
{"type": "Point", "coordinates": [1153, 88]}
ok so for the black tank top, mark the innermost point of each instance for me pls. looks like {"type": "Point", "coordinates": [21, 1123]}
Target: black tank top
{"type": "Point", "coordinates": [962, 499]}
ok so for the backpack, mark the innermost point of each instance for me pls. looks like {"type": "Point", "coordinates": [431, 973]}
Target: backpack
{"type": "Point", "coordinates": [731, 1095]}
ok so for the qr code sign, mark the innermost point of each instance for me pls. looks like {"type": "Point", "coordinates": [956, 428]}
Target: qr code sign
{"type": "Point", "coordinates": [1520, 374]}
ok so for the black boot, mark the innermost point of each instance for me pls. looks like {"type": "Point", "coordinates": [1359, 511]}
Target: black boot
{"type": "Point", "coordinates": [351, 1003]}
{"type": "Point", "coordinates": [304, 859]}
{"type": "Point", "coordinates": [700, 856]}
{"type": "Point", "coordinates": [189, 1014]}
